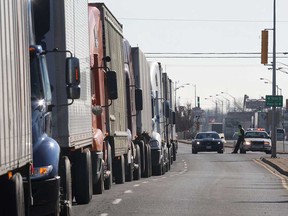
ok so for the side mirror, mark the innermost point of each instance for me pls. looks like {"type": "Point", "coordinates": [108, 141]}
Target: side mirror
{"type": "Point", "coordinates": [112, 85]}
{"type": "Point", "coordinates": [167, 109]}
{"type": "Point", "coordinates": [173, 117]}
{"type": "Point", "coordinates": [138, 99]}
{"type": "Point", "coordinates": [73, 78]}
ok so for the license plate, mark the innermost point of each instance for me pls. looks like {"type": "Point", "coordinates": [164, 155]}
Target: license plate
{"type": "Point", "coordinates": [208, 147]}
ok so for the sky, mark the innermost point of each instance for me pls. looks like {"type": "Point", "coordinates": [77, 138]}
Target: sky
{"type": "Point", "coordinates": [209, 26]}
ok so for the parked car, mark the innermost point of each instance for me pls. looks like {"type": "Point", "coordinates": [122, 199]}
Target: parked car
{"type": "Point", "coordinates": [256, 141]}
{"type": "Point", "coordinates": [207, 142]}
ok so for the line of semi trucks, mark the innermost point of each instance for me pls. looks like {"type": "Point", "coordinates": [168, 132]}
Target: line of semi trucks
{"type": "Point", "coordinates": [80, 108]}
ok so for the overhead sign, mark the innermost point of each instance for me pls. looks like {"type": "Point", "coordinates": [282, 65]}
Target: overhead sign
{"type": "Point", "coordinates": [274, 101]}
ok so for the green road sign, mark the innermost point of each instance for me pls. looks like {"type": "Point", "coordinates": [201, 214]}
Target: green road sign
{"type": "Point", "coordinates": [274, 101]}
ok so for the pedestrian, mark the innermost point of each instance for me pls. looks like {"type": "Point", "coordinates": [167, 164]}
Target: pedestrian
{"type": "Point", "coordinates": [239, 140]}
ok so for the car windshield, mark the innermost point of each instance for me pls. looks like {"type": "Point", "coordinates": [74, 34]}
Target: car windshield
{"type": "Point", "coordinates": [207, 135]}
{"type": "Point", "coordinates": [256, 135]}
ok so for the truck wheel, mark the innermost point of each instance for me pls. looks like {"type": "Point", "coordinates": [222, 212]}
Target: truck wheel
{"type": "Point", "coordinates": [174, 151]}
{"type": "Point", "coordinates": [108, 181]}
{"type": "Point", "coordinates": [194, 151]}
{"type": "Point", "coordinates": [167, 165]}
{"type": "Point", "coordinates": [158, 169]}
{"type": "Point", "coordinates": [12, 197]}
{"type": "Point", "coordinates": [119, 170]}
{"type": "Point", "coordinates": [171, 154]}
{"type": "Point", "coordinates": [83, 177]}
{"type": "Point", "coordinates": [141, 145]}
{"type": "Point", "coordinates": [66, 185]}
{"type": "Point", "coordinates": [137, 172]}
{"type": "Point", "coordinates": [147, 170]}
{"type": "Point", "coordinates": [98, 188]}
{"type": "Point", "coordinates": [98, 183]}
{"type": "Point", "coordinates": [128, 169]}
{"type": "Point", "coordinates": [149, 160]}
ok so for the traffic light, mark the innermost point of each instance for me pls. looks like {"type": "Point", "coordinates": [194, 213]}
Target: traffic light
{"type": "Point", "coordinates": [198, 101]}
{"type": "Point", "coordinates": [264, 47]}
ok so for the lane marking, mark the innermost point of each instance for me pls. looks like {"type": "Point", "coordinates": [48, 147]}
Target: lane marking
{"type": "Point", "coordinates": [136, 185]}
{"type": "Point", "coordinates": [104, 214]}
{"type": "Point", "coordinates": [128, 191]}
{"type": "Point", "coordinates": [272, 170]}
{"type": "Point", "coordinates": [144, 182]}
{"type": "Point", "coordinates": [116, 201]}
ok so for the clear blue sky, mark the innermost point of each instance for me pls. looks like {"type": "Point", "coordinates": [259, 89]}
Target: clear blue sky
{"type": "Point", "coordinates": [189, 26]}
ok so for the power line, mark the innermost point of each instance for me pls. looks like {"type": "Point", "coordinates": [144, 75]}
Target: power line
{"type": "Point", "coordinates": [197, 20]}
{"type": "Point", "coordinates": [215, 55]}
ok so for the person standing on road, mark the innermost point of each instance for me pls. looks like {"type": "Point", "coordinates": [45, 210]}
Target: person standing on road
{"type": "Point", "coordinates": [240, 139]}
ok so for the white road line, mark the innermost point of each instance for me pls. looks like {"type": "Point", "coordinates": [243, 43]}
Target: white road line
{"type": "Point", "coordinates": [145, 182]}
{"type": "Point", "coordinates": [271, 170]}
{"type": "Point", "coordinates": [136, 185]}
{"type": "Point", "coordinates": [128, 191]}
{"type": "Point", "coordinates": [104, 214]}
{"type": "Point", "coordinates": [116, 201]}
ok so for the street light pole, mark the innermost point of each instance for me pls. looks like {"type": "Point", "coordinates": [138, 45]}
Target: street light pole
{"type": "Point", "coordinates": [176, 88]}
{"type": "Point", "coordinates": [273, 137]}
{"type": "Point", "coordinates": [231, 97]}
{"type": "Point", "coordinates": [195, 95]}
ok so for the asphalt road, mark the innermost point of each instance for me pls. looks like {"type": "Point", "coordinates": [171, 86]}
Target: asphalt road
{"type": "Point", "coordinates": [202, 184]}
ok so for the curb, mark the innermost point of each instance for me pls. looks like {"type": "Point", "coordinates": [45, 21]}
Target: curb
{"type": "Point", "coordinates": [275, 165]}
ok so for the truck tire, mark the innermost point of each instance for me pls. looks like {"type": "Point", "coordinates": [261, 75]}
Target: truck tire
{"type": "Point", "coordinates": [128, 169]}
{"type": "Point", "coordinates": [147, 170]}
{"type": "Point", "coordinates": [108, 181]}
{"type": "Point", "coordinates": [83, 177]}
{"type": "Point", "coordinates": [119, 170]}
{"type": "Point", "coordinates": [98, 188]}
{"type": "Point", "coordinates": [137, 172]}
{"type": "Point", "coordinates": [168, 166]}
{"type": "Point", "coordinates": [66, 186]}
{"type": "Point", "coordinates": [149, 160]}
{"type": "Point", "coordinates": [158, 169]}
{"type": "Point", "coordinates": [141, 145]}
{"type": "Point", "coordinates": [12, 196]}
{"type": "Point", "coordinates": [174, 151]}
{"type": "Point", "coordinates": [98, 184]}
{"type": "Point", "coordinates": [171, 156]}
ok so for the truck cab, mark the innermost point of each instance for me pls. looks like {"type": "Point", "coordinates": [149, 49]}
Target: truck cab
{"type": "Point", "coordinates": [46, 151]}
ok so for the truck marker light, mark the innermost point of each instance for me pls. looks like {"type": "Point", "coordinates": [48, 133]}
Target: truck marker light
{"type": "Point", "coordinates": [77, 74]}
{"type": "Point", "coordinates": [10, 174]}
{"type": "Point", "coordinates": [41, 171]}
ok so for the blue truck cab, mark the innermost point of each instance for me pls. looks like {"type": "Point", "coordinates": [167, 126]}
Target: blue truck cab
{"type": "Point", "coordinates": [46, 151]}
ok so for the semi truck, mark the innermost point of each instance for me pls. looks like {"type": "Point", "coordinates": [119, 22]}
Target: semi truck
{"type": "Point", "coordinates": [66, 156]}
{"type": "Point", "coordinates": [118, 135]}
{"type": "Point", "coordinates": [143, 117]}
{"type": "Point", "coordinates": [15, 103]}
{"type": "Point", "coordinates": [26, 131]}
{"type": "Point", "coordinates": [159, 148]}
{"type": "Point", "coordinates": [134, 103]}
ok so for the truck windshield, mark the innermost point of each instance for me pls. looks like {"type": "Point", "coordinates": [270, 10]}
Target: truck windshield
{"type": "Point", "coordinates": [36, 84]}
{"type": "Point", "coordinates": [40, 85]}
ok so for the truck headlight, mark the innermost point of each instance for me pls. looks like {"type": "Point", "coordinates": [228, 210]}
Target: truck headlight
{"type": "Point", "coordinates": [41, 171]}
{"type": "Point", "coordinates": [198, 142]}
{"type": "Point", "coordinates": [154, 144]}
